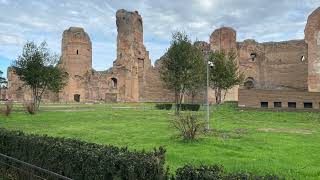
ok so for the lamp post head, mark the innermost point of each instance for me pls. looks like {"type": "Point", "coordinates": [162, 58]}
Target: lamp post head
{"type": "Point", "coordinates": [210, 64]}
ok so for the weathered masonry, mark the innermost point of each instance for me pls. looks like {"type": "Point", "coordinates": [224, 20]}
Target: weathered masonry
{"type": "Point", "coordinates": [278, 74]}
{"type": "Point", "coordinates": [282, 74]}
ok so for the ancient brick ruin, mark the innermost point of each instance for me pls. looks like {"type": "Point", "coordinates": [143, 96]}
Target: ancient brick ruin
{"type": "Point", "coordinates": [277, 73]}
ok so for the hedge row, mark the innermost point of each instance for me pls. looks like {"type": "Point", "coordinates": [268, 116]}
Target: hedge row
{"type": "Point", "coordinates": [216, 172]}
{"type": "Point", "coordinates": [81, 160]}
{"type": "Point", "coordinates": [164, 106]}
{"type": "Point", "coordinates": [190, 107]}
{"type": "Point", "coordinates": [184, 107]}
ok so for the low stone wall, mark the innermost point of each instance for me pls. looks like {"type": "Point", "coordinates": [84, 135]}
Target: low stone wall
{"type": "Point", "coordinates": [254, 98]}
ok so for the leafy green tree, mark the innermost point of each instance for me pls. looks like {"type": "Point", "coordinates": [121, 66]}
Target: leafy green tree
{"type": "Point", "coordinates": [37, 68]}
{"type": "Point", "coordinates": [3, 82]}
{"type": "Point", "coordinates": [224, 74]}
{"type": "Point", "coordinates": [182, 68]}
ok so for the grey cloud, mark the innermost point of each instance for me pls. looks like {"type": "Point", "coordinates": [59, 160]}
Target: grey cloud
{"type": "Point", "coordinates": [264, 20]}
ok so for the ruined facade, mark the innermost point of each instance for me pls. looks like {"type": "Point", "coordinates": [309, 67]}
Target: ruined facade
{"type": "Point", "coordinates": [131, 79]}
{"type": "Point", "coordinates": [282, 74]}
{"type": "Point", "coordinates": [277, 73]}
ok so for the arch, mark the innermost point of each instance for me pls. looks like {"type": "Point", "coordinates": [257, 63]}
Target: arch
{"type": "Point", "coordinates": [114, 82]}
{"type": "Point", "coordinates": [253, 56]}
{"type": "Point", "coordinates": [77, 51]}
{"type": "Point", "coordinates": [249, 83]}
{"type": "Point", "coordinates": [76, 97]}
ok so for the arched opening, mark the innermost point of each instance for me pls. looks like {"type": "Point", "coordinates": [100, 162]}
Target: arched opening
{"type": "Point", "coordinates": [76, 97]}
{"type": "Point", "coordinates": [249, 83]}
{"type": "Point", "coordinates": [114, 82]}
{"type": "Point", "coordinates": [253, 56]}
{"type": "Point", "coordinates": [77, 51]}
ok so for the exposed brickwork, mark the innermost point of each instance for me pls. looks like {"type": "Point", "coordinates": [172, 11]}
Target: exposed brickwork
{"type": "Point", "coordinates": [277, 65]}
{"type": "Point", "coordinates": [253, 97]}
{"type": "Point", "coordinates": [283, 71]}
{"type": "Point", "coordinates": [312, 38]}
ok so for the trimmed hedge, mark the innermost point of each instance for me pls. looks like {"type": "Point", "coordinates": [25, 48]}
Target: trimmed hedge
{"type": "Point", "coordinates": [164, 106]}
{"type": "Point", "coordinates": [216, 172]}
{"type": "Point", "coordinates": [81, 160]}
{"type": "Point", "coordinates": [190, 107]}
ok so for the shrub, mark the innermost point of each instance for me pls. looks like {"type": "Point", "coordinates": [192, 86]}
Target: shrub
{"type": "Point", "coordinates": [216, 172]}
{"type": "Point", "coordinates": [190, 107]}
{"type": "Point", "coordinates": [164, 106]}
{"type": "Point", "coordinates": [203, 172]}
{"type": "Point", "coordinates": [81, 160]}
{"type": "Point", "coordinates": [30, 108]}
{"type": "Point", "coordinates": [188, 125]}
{"type": "Point", "coordinates": [249, 176]}
{"type": "Point", "coordinates": [6, 111]}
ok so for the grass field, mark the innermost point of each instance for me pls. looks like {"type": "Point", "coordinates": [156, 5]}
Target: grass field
{"type": "Point", "coordinates": [282, 143]}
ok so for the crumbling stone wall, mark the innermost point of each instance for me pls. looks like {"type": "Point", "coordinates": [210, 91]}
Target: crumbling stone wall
{"type": "Point", "coordinates": [76, 60]}
{"type": "Point", "coordinates": [132, 61]}
{"type": "Point", "coordinates": [276, 65]}
{"type": "Point", "coordinates": [312, 38]}
{"type": "Point", "coordinates": [17, 91]}
{"type": "Point", "coordinates": [290, 65]}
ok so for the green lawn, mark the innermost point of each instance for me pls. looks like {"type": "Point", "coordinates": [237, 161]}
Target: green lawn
{"type": "Point", "coordinates": [282, 143]}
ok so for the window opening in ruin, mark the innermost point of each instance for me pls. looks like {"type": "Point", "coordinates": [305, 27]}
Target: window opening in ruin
{"type": "Point", "coordinates": [277, 104]}
{"type": "Point", "coordinates": [76, 97]}
{"type": "Point", "coordinates": [307, 104]}
{"type": "Point", "coordinates": [114, 82]}
{"type": "Point", "coordinates": [264, 104]}
{"type": "Point", "coordinates": [249, 83]}
{"type": "Point", "coordinates": [292, 104]}
{"type": "Point", "coordinates": [253, 56]}
{"type": "Point", "coordinates": [303, 58]}
{"type": "Point", "coordinates": [77, 51]}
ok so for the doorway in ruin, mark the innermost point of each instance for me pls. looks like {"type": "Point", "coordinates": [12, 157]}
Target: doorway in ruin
{"type": "Point", "coordinates": [111, 97]}
{"type": "Point", "coordinates": [114, 83]}
{"type": "Point", "coordinates": [76, 97]}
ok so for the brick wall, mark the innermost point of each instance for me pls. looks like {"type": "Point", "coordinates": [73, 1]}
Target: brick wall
{"type": "Point", "coordinates": [252, 98]}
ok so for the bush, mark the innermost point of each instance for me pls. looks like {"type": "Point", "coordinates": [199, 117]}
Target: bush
{"type": "Point", "coordinates": [164, 106]}
{"type": "Point", "coordinates": [216, 172]}
{"type": "Point", "coordinates": [190, 107]}
{"type": "Point", "coordinates": [81, 160]}
{"type": "Point", "coordinates": [188, 125]}
{"type": "Point", "coordinates": [30, 108]}
{"type": "Point", "coordinates": [203, 172]}
{"type": "Point", "coordinates": [6, 111]}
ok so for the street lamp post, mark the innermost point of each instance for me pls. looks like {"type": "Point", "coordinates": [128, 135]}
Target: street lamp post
{"type": "Point", "coordinates": [207, 95]}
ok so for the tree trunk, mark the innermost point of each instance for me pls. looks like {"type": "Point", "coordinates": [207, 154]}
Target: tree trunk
{"type": "Point", "coordinates": [176, 101]}
{"type": "Point", "coordinates": [218, 95]}
{"type": "Point", "coordinates": [193, 95]}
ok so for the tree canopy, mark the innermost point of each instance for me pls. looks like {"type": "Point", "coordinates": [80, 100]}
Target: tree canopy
{"type": "Point", "coordinates": [37, 68]}
{"type": "Point", "coordinates": [182, 69]}
{"type": "Point", "coordinates": [224, 74]}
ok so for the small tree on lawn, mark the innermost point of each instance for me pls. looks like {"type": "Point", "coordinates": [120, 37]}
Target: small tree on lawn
{"type": "Point", "coordinates": [224, 74]}
{"type": "Point", "coordinates": [3, 82]}
{"type": "Point", "coordinates": [198, 79]}
{"type": "Point", "coordinates": [36, 67]}
{"type": "Point", "coordinates": [182, 67]}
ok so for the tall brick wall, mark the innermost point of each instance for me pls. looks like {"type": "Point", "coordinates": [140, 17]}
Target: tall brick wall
{"type": "Point", "coordinates": [312, 38]}
{"type": "Point", "coordinates": [132, 60]}
{"type": "Point", "coordinates": [76, 60]}
{"type": "Point", "coordinates": [278, 65]}
{"type": "Point", "coordinates": [290, 66]}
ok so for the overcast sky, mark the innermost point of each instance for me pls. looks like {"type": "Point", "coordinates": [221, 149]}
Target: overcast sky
{"type": "Point", "coordinates": [38, 20]}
